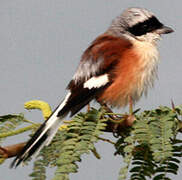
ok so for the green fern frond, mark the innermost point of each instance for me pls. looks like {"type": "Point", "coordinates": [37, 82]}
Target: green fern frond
{"type": "Point", "coordinates": [69, 144]}
{"type": "Point", "coordinates": [153, 152]}
{"type": "Point", "coordinates": [150, 148]}
{"type": "Point", "coordinates": [81, 135]}
{"type": "Point", "coordinates": [171, 164]}
{"type": "Point", "coordinates": [8, 123]}
{"type": "Point", "coordinates": [128, 151]}
{"type": "Point", "coordinates": [39, 170]}
{"type": "Point", "coordinates": [162, 131]}
{"type": "Point", "coordinates": [155, 128]}
{"type": "Point", "coordinates": [143, 165]}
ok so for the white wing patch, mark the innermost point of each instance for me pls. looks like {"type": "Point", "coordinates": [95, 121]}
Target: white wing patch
{"type": "Point", "coordinates": [86, 69]}
{"type": "Point", "coordinates": [96, 82]}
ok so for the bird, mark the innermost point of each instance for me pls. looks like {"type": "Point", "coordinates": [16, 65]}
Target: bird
{"type": "Point", "coordinates": [119, 65]}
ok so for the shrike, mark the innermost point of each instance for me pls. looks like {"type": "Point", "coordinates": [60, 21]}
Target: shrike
{"type": "Point", "coordinates": [119, 65]}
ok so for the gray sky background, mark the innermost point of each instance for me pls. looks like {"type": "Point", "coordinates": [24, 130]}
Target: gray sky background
{"type": "Point", "coordinates": [41, 42]}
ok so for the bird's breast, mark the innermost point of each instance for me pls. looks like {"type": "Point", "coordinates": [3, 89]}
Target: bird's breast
{"type": "Point", "coordinates": [135, 72]}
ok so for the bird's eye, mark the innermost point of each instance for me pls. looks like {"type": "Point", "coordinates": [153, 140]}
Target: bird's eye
{"type": "Point", "coordinates": [136, 14]}
{"type": "Point", "coordinates": [145, 26]}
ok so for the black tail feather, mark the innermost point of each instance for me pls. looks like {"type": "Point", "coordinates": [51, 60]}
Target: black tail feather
{"type": "Point", "coordinates": [72, 103]}
{"type": "Point", "coordinates": [23, 156]}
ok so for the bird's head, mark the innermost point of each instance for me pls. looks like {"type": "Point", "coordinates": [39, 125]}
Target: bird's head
{"type": "Point", "coordinates": [140, 24]}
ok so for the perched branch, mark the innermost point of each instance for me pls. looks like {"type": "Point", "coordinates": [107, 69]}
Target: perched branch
{"type": "Point", "coordinates": [12, 150]}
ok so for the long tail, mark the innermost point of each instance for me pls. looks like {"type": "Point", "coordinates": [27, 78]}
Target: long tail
{"type": "Point", "coordinates": [44, 134]}
{"type": "Point", "coordinates": [75, 100]}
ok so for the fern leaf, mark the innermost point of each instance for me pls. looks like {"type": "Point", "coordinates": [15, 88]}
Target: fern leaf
{"type": "Point", "coordinates": [68, 145]}
{"type": "Point", "coordinates": [10, 122]}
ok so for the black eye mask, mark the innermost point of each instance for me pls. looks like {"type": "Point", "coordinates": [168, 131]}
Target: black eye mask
{"type": "Point", "coordinates": [148, 25]}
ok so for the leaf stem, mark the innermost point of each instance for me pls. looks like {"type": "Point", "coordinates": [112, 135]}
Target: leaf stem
{"type": "Point", "coordinates": [19, 131]}
{"type": "Point", "coordinates": [106, 140]}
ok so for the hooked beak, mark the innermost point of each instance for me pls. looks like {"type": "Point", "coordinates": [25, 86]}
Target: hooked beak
{"type": "Point", "coordinates": [164, 30]}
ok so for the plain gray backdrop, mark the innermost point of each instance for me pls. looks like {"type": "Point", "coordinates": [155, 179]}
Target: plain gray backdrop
{"type": "Point", "coordinates": [41, 42]}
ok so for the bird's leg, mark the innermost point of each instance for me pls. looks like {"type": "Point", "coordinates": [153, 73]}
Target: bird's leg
{"type": "Point", "coordinates": [130, 102]}
{"type": "Point", "coordinates": [113, 126]}
{"type": "Point", "coordinates": [108, 110]}
{"type": "Point", "coordinates": [88, 107]}
{"type": "Point", "coordinates": [118, 123]}
{"type": "Point", "coordinates": [130, 118]}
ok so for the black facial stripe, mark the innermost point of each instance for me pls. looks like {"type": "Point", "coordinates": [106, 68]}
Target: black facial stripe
{"type": "Point", "coordinates": [145, 27]}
